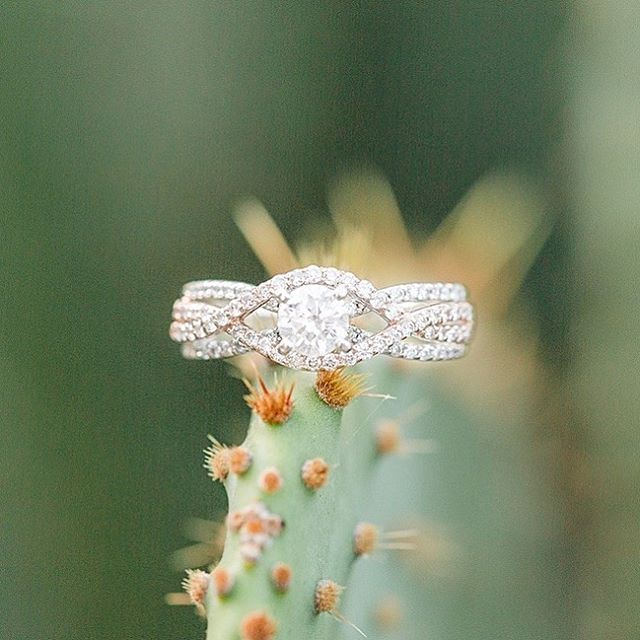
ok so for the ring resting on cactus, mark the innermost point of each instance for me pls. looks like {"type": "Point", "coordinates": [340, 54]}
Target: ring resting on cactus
{"type": "Point", "coordinates": [334, 512]}
{"type": "Point", "coordinates": [297, 483]}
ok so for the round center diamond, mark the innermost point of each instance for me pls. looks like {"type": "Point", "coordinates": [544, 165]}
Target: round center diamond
{"type": "Point", "coordinates": [313, 320]}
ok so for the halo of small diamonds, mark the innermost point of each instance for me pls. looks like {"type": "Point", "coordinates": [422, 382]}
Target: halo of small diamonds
{"type": "Point", "coordinates": [424, 321]}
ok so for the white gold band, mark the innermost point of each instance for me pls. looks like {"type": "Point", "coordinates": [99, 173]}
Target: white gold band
{"type": "Point", "coordinates": [303, 319]}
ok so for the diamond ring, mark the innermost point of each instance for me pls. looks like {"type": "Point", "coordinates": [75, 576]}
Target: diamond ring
{"type": "Point", "coordinates": [322, 318]}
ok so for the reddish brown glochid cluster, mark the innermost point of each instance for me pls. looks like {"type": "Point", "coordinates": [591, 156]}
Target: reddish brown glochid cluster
{"type": "Point", "coordinates": [196, 584]}
{"type": "Point", "coordinates": [365, 538]}
{"type": "Point", "coordinates": [315, 473]}
{"type": "Point", "coordinates": [222, 580]}
{"type": "Point", "coordinates": [327, 596]}
{"type": "Point", "coordinates": [216, 460]}
{"type": "Point", "coordinates": [257, 528]}
{"type": "Point", "coordinates": [388, 437]}
{"type": "Point", "coordinates": [258, 625]}
{"type": "Point", "coordinates": [240, 460]}
{"type": "Point", "coordinates": [274, 406]}
{"type": "Point", "coordinates": [338, 388]}
{"type": "Point", "coordinates": [270, 480]}
{"type": "Point", "coordinates": [281, 575]}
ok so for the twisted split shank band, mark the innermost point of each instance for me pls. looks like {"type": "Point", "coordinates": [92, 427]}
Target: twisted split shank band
{"type": "Point", "coordinates": [320, 317]}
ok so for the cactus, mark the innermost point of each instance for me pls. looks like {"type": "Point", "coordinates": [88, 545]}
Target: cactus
{"type": "Point", "coordinates": [333, 469]}
{"type": "Point", "coordinates": [293, 540]}
{"type": "Point", "coordinates": [292, 513]}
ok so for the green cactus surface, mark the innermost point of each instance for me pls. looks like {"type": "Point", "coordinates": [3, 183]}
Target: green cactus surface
{"type": "Point", "coordinates": [316, 539]}
{"type": "Point", "coordinates": [445, 522]}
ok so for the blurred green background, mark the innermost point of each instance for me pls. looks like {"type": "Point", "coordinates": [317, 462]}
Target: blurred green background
{"type": "Point", "coordinates": [128, 132]}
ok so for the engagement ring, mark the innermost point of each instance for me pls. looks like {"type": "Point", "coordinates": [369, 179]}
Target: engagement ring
{"type": "Point", "coordinates": [322, 318]}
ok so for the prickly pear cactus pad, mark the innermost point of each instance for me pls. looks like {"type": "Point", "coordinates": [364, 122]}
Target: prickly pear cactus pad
{"type": "Point", "coordinates": [293, 513]}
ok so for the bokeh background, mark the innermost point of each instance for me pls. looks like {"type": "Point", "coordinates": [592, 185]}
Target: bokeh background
{"type": "Point", "coordinates": [128, 133]}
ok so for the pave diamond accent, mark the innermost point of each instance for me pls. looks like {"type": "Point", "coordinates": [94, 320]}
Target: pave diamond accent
{"type": "Point", "coordinates": [308, 315]}
{"type": "Point", "coordinates": [314, 320]}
